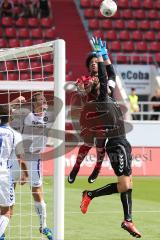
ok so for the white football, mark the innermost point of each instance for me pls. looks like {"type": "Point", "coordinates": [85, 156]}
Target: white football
{"type": "Point", "coordinates": [108, 8]}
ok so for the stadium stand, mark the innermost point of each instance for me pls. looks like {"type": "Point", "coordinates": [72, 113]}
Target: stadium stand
{"type": "Point", "coordinates": [25, 31]}
{"type": "Point", "coordinates": [134, 28]}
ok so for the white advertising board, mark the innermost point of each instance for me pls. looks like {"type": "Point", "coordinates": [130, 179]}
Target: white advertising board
{"type": "Point", "coordinates": [136, 76]}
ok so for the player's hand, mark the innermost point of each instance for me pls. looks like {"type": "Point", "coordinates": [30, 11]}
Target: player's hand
{"type": "Point", "coordinates": [20, 99]}
{"type": "Point", "coordinates": [103, 49]}
{"type": "Point", "coordinates": [96, 45]}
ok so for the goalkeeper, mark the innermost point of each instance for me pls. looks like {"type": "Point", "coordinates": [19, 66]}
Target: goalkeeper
{"type": "Point", "coordinates": [110, 125]}
{"type": "Point", "coordinates": [34, 123]}
{"type": "Point", "coordinates": [87, 88]}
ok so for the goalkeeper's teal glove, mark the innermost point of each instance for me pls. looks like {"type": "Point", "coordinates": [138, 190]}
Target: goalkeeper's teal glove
{"type": "Point", "coordinates": [96, 46]}
{"type": "Point", "coordinates": [103, 49]}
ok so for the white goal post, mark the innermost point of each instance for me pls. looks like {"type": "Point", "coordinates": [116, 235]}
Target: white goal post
{"type": "Point", "coordinates": [56, 47]}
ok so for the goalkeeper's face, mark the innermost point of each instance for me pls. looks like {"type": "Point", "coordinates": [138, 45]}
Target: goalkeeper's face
{"type": "Point", "coordinates": [93, 66]}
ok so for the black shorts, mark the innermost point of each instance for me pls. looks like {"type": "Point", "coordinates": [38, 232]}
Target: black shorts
{"type": "Point", "coordinates": [119, 153]}
{"type": "Point", "coordinates": [98, 142]}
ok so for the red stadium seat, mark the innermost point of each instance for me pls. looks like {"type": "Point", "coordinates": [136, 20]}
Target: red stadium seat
{"type": "Point", "coordinates": [89, 13]}
{"type": "Point", "coordinates": [157, 4]}
{"type": "Point", "coordinates": [36, 67]}
{"type": "Point", "coordinates": [156, 25]}
{"type": "Point", "coordinates": [144, 24]}
{"type": "Point", "coordinates": [96, 3]}
{"type": "Point", "coordinates": [48, 68]}
{"type": "Point", "coordinates": [12, 76]}
{"type": "Point", "coordinates": [36, 33]}
{"type": "Point", "coordinates": [23, 33]}
{"type": "Point", "coordinates": [38, 77]}
{"type": "Point", "coordinates": [128, 46]}
{"type": "Point", "coordinates": [25, 76]}
{"type": "Point", "coordinates": [33, 22]}
{"type": "Point", "coordinates": [93, 23]}
{"type": "Point", "coordinates": [157, 58]}
{"type": "Point", "coordinates": [1, 33]}
{"type": "Point", "coordinates": [135, 4]}
{"type": "Point", "coordinates": [127, 13]}
{"type": "Point", "coordinates": [3, 43]}
{"type": "Point", "coordinates": [22, 65]}
{"type": "Point", "coordinates": [131, 24]}
{"type": "Point", "coordinates": [136, 35]}
{"type": "Point", "coordinates": [38, 41]}
{"type": "Point", "coordinates": [21, 22]}
{"type": "Point", "coordinates": [123, 4]}
{"type": "Point", "coordinates": [14, 43]}
{"type": "Point", "coordinates": [27, 42]}
{"type": "Point", "coordinates": [85, 3]}
{"type": "Point", "coordinates": [117, 15]}
{"type": "Point", "coordinates": [148, 4]}
{"type": "Point", "coordinates": [134, 59]}
{"type": "Point", "coordinates": [10, 32]}
{"type": "Point", "coordinates": [46, 22]}
{"type": "Point", "coordinates": [50, 77]}
{"type": "Point", "coordinates": [158, 36]}
{"type": "Point", "coordinates": [147, 58]}
{"type": "Point", "coordinates": [140, 14]}
{"type": "Point", "coordinates": [121, 59]}
{"type": "Point", "coordinates": [99, 15]}
{"type": "Point", "coordinates": [141, 46]}
{"type": "Point", "coordinates": [7, 22]}
{"type": "Point", "coordinates": [153, 14]}
{"type": "Point", "coordinates": [111, 35]}
{"type": "Point", "coordinates": [8, 66]}
{"type": "Point", "coordinates": [115, 46]}
{"type": "Point", "coordinates": [124, 35]}
{"type": "Point", "coordinates": [17, 10]}
{"type": "Point", "coordinates": [1, 76]}
{"type": "Point", "coordinates": [50, 34]}
{"type": "Point", "coordinates": [106, 24]}
{"type": "Point", "coordinates": [98, 33]}
{"type": "Point", "coordinates": [154, 46]}
{"type": "Point", "coordinates": [119, 24]}
{"type": "Point", "coordinates": [149, 36]}
{"type": "Point", "coordinates": [47, 57]}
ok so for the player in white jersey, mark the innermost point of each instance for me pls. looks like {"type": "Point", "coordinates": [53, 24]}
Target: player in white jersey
{"type": "Point", "coordinates": [33, 126]}
{"type": "Point", "coordinates": [10, 146]}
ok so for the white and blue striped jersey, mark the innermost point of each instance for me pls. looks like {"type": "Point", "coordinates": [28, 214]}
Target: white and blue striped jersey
{"type": "Point", "coordinates": [34, 129]}
{"type": "Point", "coordinates": [10, 145]}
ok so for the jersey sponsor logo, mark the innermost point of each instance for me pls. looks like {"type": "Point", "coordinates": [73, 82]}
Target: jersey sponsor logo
{"type": "Point", "coordinates": [38, 124]}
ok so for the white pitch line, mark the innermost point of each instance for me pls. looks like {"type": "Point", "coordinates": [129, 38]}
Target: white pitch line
{"type": "Point", "coordinates": [145, 211]}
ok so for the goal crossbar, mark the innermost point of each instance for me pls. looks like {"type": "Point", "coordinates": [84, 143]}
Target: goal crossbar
{"type": "Point", "coordinates": [22, 52]}
{"type": "Point", "coordinates": [27, 85]}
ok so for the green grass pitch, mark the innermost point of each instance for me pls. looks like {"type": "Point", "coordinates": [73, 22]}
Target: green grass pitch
{"type": "Point", "coordinates": [102, 222]}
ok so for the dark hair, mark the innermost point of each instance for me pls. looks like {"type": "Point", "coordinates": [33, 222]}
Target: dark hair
{"type": "Point", "coordinates": [89, 58]}
{"type": "Point", "coordinates": [133, 89]}
{"type": "Point", "coordinates": [4, 114]}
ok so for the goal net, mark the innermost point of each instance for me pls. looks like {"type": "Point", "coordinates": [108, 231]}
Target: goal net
{"type": "Point", "coordinates": [24, 72]}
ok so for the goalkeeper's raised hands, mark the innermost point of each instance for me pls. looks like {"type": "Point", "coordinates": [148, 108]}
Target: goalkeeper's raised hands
{"type": "Point", "coordinates": [99, 47]}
